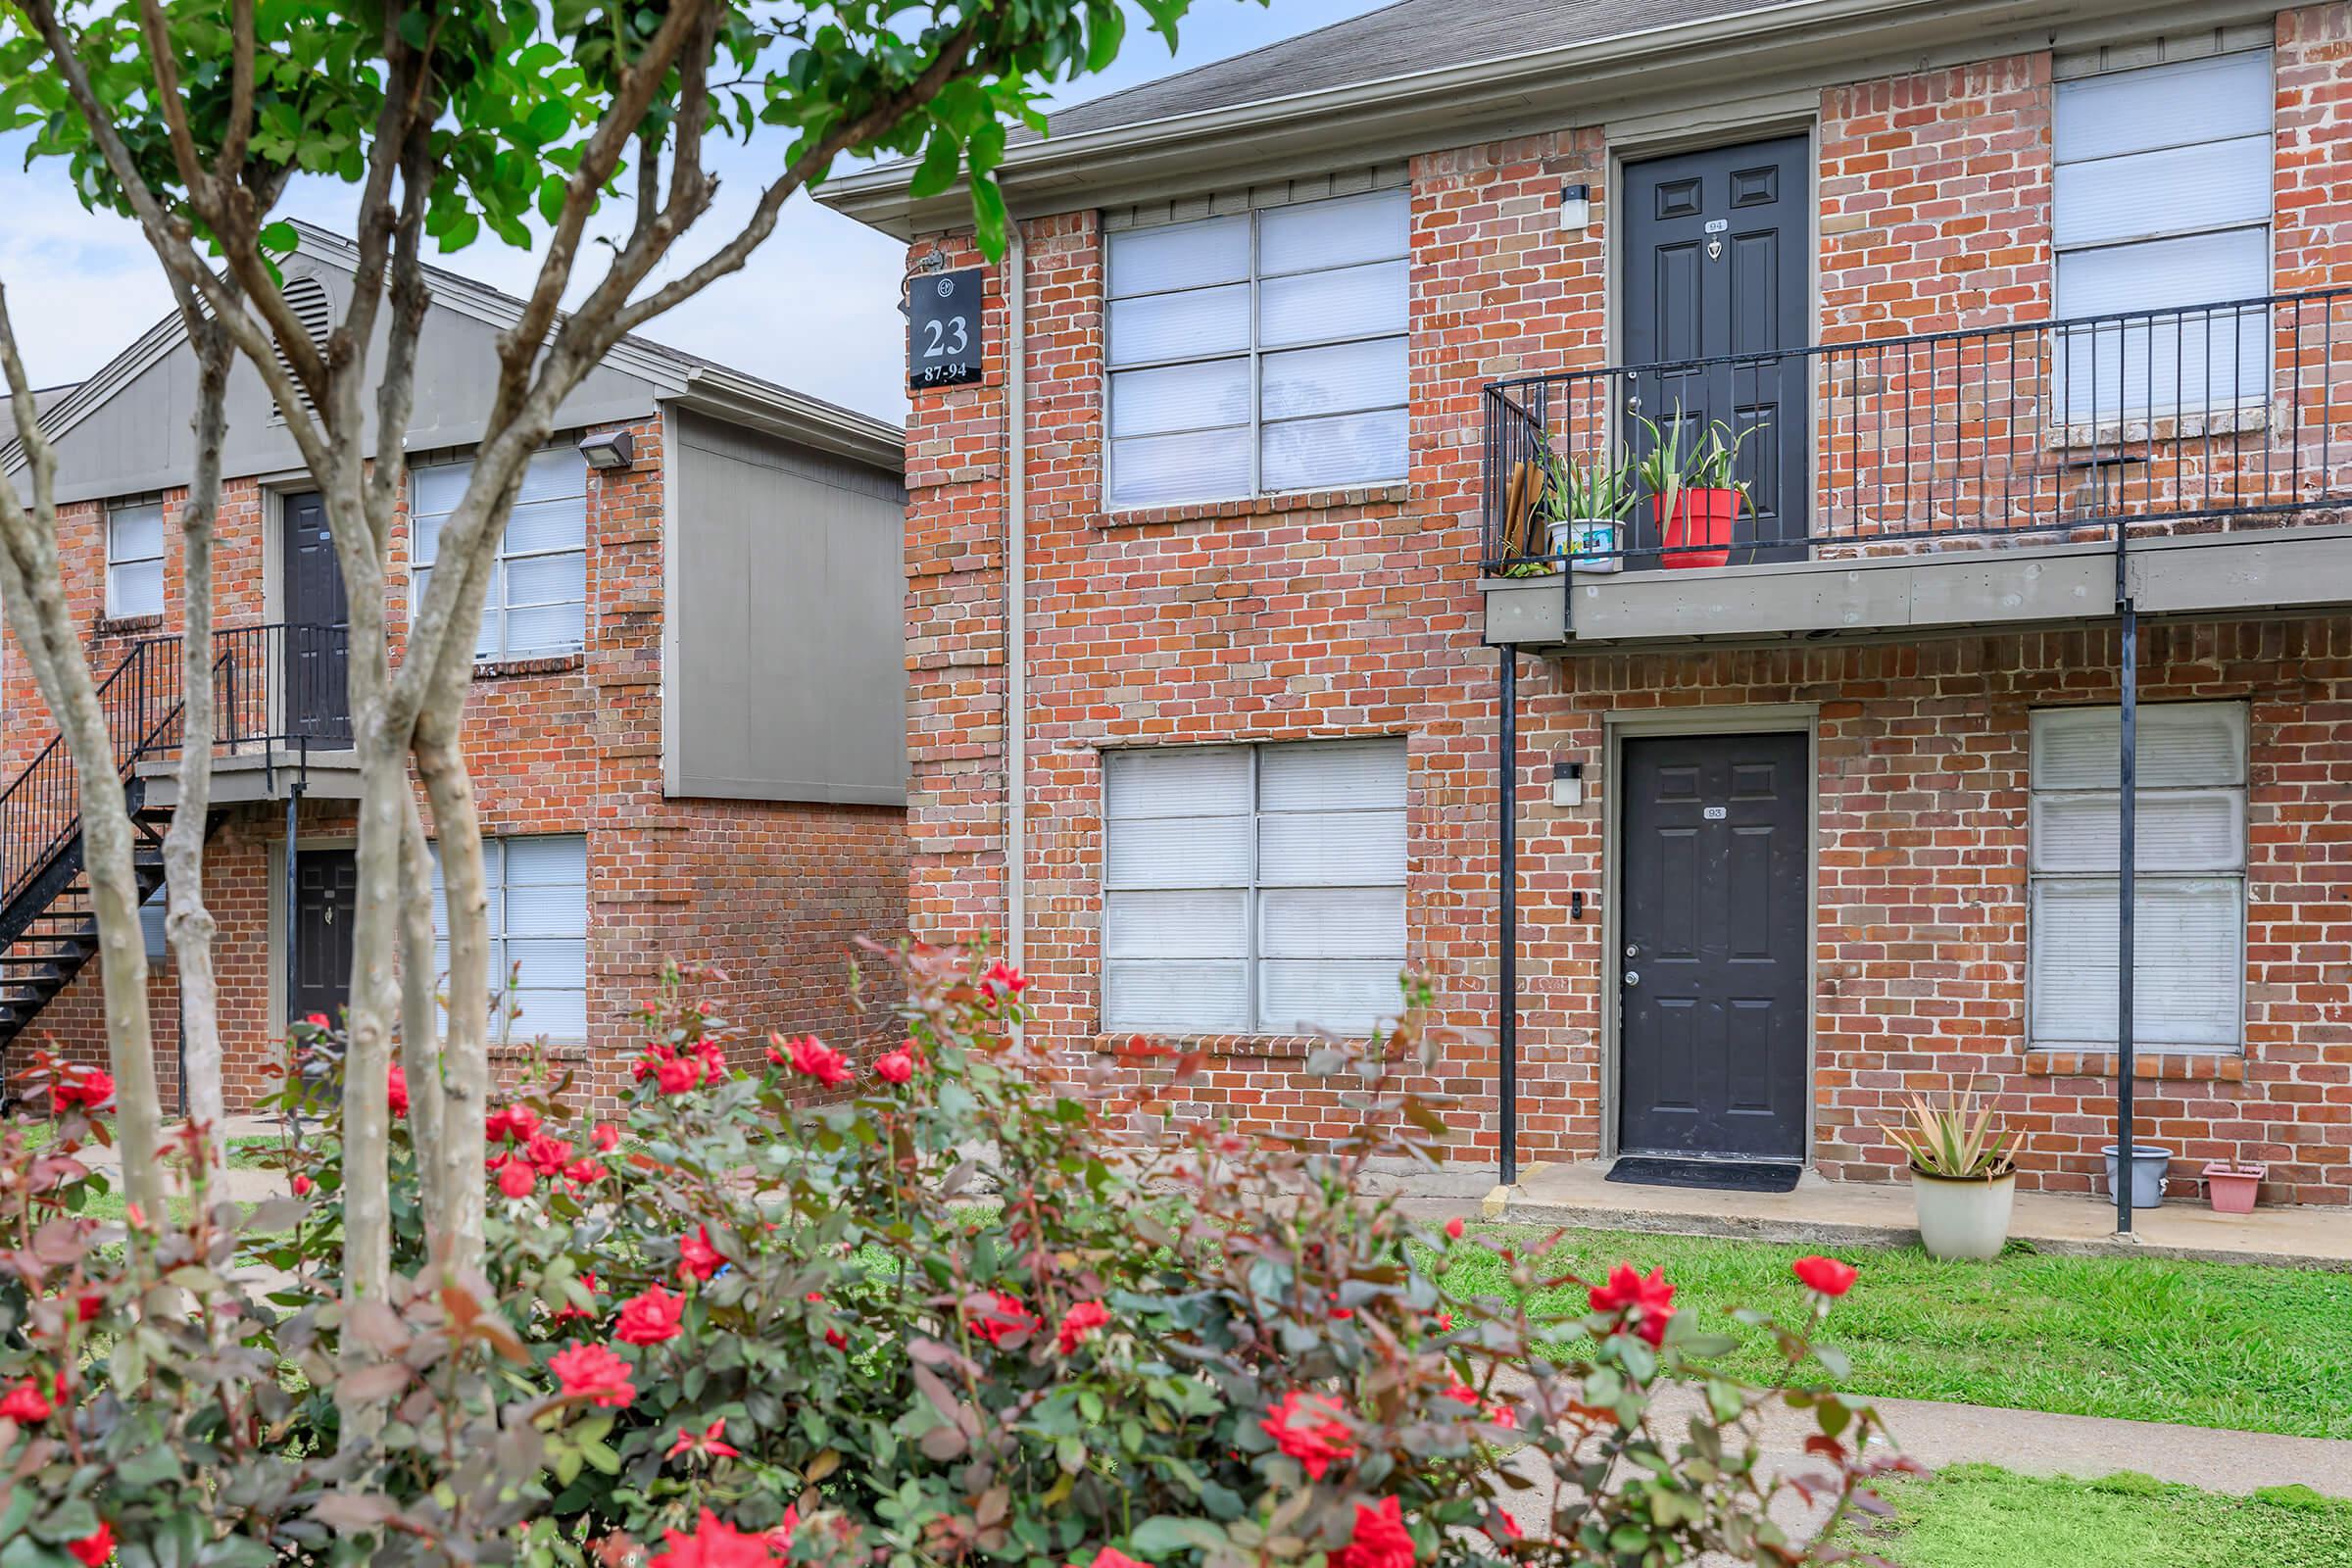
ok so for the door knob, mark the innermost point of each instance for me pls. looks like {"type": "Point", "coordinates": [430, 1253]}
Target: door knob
{"type": "Point", "coordinates": [1632, 978]}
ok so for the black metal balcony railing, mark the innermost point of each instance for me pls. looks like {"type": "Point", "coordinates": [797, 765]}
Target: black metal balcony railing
{"type": "Point", "coordinates": [2194, 418]}
{"type": "Point", "coordinates": [274, 686]}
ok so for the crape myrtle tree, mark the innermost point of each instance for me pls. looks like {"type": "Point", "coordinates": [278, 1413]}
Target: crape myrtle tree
{"type": "Point", "coordinates": [521, 117]}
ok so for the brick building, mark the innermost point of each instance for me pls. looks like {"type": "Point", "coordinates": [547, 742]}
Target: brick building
{"type": "Point", "coordinates": [2017, 316]}
{"type": "Point", "coordinates": [686, 729]}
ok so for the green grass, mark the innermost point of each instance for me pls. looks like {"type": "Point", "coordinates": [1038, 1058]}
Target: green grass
{"type": "Point", "coordinates": [1979, 1516]}
{"type": "Point", "coordinates": [2258, 1349]}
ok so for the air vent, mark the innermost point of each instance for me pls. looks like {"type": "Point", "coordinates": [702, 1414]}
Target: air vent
{"type": "Point", "coordinates": [308, 299]}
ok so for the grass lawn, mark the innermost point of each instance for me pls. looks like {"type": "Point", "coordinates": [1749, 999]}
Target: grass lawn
{"type": "Point", "coordinates": [2259, 1349]}
{"type": "Point", "coordinates": [1979, 1516]}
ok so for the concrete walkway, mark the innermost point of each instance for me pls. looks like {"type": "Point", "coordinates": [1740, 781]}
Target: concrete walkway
{"type": "Point", "coordinates": [2028, 1442]}
{"type": "Point", "coordinates": [1858, 1213]}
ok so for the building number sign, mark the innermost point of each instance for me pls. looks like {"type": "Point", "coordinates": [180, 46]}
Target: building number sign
{"type": "Point", "coordinates": [944, 346]}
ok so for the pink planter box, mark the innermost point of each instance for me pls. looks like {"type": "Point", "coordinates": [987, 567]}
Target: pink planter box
{"type": "Point", "coordinates": [2233, 1187]}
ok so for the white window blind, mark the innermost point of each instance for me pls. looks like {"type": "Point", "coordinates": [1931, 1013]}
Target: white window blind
{"type": "Point", "coordinates": [134, 560]}
{"type": "Point", "coordinates": [1253, 888]}
{"type": "Point", "coordinates": [2188, 915]}
{"type": "Point", "coordinates": [538, 890]}
{"type": "Point", "coordinates": [1259, 352]}
{"type": "Point", "coordinates": [537, 602]}
{"type": "Point", "coordinates": [2162, 198]}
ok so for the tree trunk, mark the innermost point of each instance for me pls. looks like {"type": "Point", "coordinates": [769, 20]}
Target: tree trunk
{"type": "Point", "coordinates": [187, 922]}
{"type": "Point", "coordinates": [421, 1029]}
{"type": "Point", "coordinates": [441, 764]}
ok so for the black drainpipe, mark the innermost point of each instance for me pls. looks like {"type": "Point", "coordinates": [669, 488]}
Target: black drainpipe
{"type": "Point", "coordinates": [2126, 855]}
{"type": "Point", "coordinates": [1506, 1003]}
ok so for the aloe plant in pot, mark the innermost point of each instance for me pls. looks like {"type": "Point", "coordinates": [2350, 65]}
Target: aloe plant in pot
{"type": "Point", "coordinates": [1963, 1174]}
{"type": "Point", "coordinates": [1692, 491]}
{"type": "Point", "coordinates": [1584, 507]}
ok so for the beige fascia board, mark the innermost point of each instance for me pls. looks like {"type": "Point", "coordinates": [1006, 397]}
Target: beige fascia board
{"type": "Point", "coordinates": [1448, 105]}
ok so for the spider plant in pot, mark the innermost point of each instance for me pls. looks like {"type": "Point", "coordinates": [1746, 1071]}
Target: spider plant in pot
{"type": "Point", "coordinates": [1584, 507]}
{"type": "Point", "coordinates": [1963, 1174]}
{"type": "Point", "coordinates": [1692, 491]}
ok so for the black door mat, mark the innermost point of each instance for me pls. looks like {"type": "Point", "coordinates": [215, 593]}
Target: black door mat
{"type": "Point", "coordinates": [1723, 1175]}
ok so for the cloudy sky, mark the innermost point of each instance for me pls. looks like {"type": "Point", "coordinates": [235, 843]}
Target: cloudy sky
{"type": "Point", "coordinates": [816, 309]}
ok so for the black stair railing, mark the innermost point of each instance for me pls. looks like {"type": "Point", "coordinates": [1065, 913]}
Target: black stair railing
{"type": "Point", "coordinates": [272, 685]}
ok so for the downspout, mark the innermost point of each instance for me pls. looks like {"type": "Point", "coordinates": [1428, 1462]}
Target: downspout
{"type": "Point", "coordinates": [1016, 617]}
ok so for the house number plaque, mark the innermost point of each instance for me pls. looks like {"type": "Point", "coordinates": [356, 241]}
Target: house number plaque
{"type": "Point", "coordinates": [944, 345]}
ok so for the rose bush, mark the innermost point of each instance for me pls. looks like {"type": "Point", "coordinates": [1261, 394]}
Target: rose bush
{"type": "Point", "coordinates": [937, 1310]}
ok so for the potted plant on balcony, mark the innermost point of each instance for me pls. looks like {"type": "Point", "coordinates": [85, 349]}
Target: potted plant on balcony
{"type": "Point", "coordinates": [1963, 1175]}
{"type": "Point", "coordinates": [1692, 491]}
{"type": "Point", "coordinates": [1584, 505]}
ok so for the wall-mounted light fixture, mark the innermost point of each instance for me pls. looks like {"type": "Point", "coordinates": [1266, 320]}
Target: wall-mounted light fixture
{"type": "Point", "coordinates": [1567, 783]}
{"type": "Point", "coordinates": [1576, 206]}
{"type": "Point", "coordinates": [612, 449]}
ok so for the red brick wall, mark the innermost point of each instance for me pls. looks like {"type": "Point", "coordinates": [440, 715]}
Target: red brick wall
{"type": "Point", "coordinates": [771, 894]}
{"type": "Point", "coordinates": [1356, 613]}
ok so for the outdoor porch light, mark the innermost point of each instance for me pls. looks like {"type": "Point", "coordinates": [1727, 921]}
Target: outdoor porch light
{"type": "Point", "coordinates": [1576, 206]}
{"type": "Point", "coordinates": [611, 450]}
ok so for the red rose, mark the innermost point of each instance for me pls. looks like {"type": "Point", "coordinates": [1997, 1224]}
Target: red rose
{"type": "Point", "coordinates": [1112, 1557]}
{"type": "Point", "coordinates": [836, 1338]}
{"type": "Point", "coordinates": [548, 1153]}
{"type": "Point", "coordinates": [1005, 1318]}
{"type": "Point", "coordinates": [26, 1404]}
{"type": "Point", "coordinates": [1381, 1540]}
{"type": "Point", "coordinates": [1453, 1227]}
{"type": "Point", "coordinates": [1079, 1323]}
{"type": "Point", "coordinates": [1307, 1427]}
{"type": "Point", "coordinates": [302, 1185]}
{"type": "Point", "coordinates": [516, 1124]}
{"type": "Point", "coordinates": [1647, 1302]}
{"type": "Point", "coordinates": [396, 1088]}
{"type": "Point", "coordinates": [811, 1057]}
{"type": "Point", "coordinates": [1826, 1275]}
{"type": "Point", "coordinates": [1460, 1394]}
{"type": "Point", "coordinates": [1002, 980]}
{"type": "Point", "coordinates": [710, 1445]}
{"type": "Point", "coordinates": [697, 1257]}
{"type": "Point", "coordinates": [895, 1068]}
{"type": "Point", "coordinates": [607, 1137]}
{"type": "Point", "coordinates": [583, 1171]}
{"type": "Point", "coordinates": [650, 1318]}
{"type": "Point", "coordinates": [715, 1545]}
{"type": "Point", "coordinates": [593, 1373]}
{"type": "Point", "coordinates": [316, 1020]}
{"type": "Point", "coordinates": [95, 1548]}
{"type": "Point", "coordinates": [89, 1088]}
{"type": "Point", "coordinates": [677, 1075]}
{"type": "Point", "coordinates": [515, 1178]}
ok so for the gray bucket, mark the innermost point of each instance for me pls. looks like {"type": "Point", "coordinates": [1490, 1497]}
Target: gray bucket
{"type": "Point", "coordinates": [2149, 1163]}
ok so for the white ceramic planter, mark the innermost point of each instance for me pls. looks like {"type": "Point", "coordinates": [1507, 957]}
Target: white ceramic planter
{"type": "Point", "coordinates": [1963, 1218]}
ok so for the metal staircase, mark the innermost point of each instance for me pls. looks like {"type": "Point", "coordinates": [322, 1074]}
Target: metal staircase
{"type": "Point", "coordinates": [48, 923]}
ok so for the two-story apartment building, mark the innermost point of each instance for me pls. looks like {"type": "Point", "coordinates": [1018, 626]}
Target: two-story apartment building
{"type": "Point", "coordinates": [686, 729]}
{"type": "Point", "coordinates": [1254, 626]}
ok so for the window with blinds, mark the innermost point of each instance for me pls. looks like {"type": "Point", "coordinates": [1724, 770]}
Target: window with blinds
{"type": "Point", "coordinates": [1254, 889]}
{"type": "Point", "coordinates": [2162, 198]}
{"type": "Point", "coordinates": [1258, 353]}
{"type": "Point", "coordinates": [538, 891]}
{"type": "Point", "coordinates": [2188, 918]}
{"type": "Point", "coordinates": [134, 560]}
{"type": "Point", "coordinates": [537, 602]}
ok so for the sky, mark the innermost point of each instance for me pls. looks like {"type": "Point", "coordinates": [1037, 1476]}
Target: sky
{"type": "Point", "coordinates": [816, 309]}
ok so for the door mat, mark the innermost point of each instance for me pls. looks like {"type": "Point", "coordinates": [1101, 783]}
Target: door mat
{"type": "Point", "coordinates": [1723, 1175]}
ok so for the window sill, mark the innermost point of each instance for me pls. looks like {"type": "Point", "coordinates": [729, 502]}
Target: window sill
{"type": "Point", "coordinates": [1285, 1048]}
{"type": "Point", "coordinates": [2098, 440]}
{"type": "Point", "coordinates": [129, 625]}
{"type": "Point", "coordinates": [2169, 1066]}
{"type": "Point", "coordinates": [553, 665]}
{"type": "Point", "coordinates": [1395, 494]}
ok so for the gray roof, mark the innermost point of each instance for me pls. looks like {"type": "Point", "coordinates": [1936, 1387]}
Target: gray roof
{"type": "Point", "coordinates": [1411, 35]}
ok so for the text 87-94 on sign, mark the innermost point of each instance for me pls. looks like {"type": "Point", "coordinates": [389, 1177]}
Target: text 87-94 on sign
{"type": "Point", "coordinates": [944, 346]}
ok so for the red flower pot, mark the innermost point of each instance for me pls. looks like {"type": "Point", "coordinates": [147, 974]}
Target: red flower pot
{"type": "Point", "coordinates": [1699, 533]}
